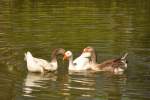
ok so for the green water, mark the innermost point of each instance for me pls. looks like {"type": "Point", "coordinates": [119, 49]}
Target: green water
{"type": "Point", "coordinates": [112, 27]}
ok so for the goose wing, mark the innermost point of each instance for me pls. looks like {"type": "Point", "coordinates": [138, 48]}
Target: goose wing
{"type": "Point", "coordinates": [43, 63]}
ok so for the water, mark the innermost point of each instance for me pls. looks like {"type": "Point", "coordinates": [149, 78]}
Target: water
{"type": "Point", "coordinates": [111, 27]}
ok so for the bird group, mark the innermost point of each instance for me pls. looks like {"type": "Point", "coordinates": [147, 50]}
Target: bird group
{"type": "Point", "coordinates": [86, 61]}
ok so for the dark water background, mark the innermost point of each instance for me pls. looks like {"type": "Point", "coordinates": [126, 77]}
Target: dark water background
{"type": "Point", "coordinates": [112, 27]}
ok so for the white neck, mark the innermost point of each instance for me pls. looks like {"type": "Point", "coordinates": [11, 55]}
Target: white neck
{"type": "Point", "coordinates": [71, 66]}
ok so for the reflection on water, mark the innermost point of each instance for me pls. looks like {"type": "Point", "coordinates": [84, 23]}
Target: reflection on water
{"type": "Point", "coordinates": [34, 80]}
{"type": "Point", "coordinates": [111, 27]}
{"type": "Point", "coordinates": [76, 86]}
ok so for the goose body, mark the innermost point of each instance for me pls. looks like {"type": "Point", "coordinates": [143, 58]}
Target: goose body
{"type": "Point", "coordinates": [79, 64]}
{"type": "Point", "coordinates": [41, 65]}
{"type": "Point", "coordinates": [112, 65]}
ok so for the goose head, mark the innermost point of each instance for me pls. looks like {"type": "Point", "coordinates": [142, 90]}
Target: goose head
{"type": "Point", "coordinates": [90, 51]}
{"type": "Point", "coordinates": [56, 52]}
{"type": "Point", "coordinates": [60, 51]}
{"type": "Point", "coordinates": [67, 55]}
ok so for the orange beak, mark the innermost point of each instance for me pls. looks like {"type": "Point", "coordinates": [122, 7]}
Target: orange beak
{"type": "Point", "coordinates": [65, 57]}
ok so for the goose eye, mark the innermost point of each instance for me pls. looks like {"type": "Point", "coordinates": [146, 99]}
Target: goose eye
{"type": "Point", "coordinates": [67, 53]}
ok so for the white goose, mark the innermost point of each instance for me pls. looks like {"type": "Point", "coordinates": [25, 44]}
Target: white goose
{"type": "Point", "coordinates": [41, 65]}
{"type": "Point", "coordinates": [79, 64]}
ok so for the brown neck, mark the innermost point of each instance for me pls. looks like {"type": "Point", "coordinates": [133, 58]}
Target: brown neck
{"type": "Point", "coordinates": [93, 57]}
{"type": "Point", "coordinates": [55, 53]}
{"type": "Point", "coordinates": [53, 56]}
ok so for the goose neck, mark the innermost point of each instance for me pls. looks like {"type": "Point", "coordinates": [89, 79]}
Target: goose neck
{"type": "Point", "coordinates": [93, 57]}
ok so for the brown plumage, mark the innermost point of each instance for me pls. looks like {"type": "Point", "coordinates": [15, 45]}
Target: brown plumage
{"type": "Point", "coordinates": [56, 52]}
{"type": "Point", "coordinates": [112, 65]}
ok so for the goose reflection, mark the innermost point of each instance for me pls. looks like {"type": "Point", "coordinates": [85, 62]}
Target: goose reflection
{"type": "Point", "coordinates": [63, 82]}
{"type": "Point", "coordinates": [35, 81]}
{"type": "Point", "coordinates": [115, 88]}
{"type": "Point", "coordinates": [90, 86]}
{"type": "Point", "coordinates": [81, 85]}
{"type": "Point", "coordinates": [111, 86]}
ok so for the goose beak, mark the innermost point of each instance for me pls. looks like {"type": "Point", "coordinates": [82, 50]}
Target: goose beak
{"type": "Point", "coordinates": [65, 57]}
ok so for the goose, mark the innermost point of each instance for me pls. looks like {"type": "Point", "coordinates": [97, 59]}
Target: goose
{"type": "Point", "coordinates": [41, 65]}
{"type": "Point", "coordinates": [80, 63]}
{"type": "Point", "coordinates": [116, 65]}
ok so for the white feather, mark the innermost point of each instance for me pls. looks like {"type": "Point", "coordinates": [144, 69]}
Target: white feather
{"type": "Point", "coordinates": [38, 65]}
{"type": "Point", "coordinates": [80, 63]}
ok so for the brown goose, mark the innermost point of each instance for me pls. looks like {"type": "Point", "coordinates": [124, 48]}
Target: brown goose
{"type": "Point", "coordinates": [113, 65]}
{"type": "Point", "coordinates": [41, 65]}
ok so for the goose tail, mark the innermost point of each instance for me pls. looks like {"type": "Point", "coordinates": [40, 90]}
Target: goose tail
{"type": "Point", "coordinates": [124, 56]}
{"type": "Point", "coordinates": [27, 55]}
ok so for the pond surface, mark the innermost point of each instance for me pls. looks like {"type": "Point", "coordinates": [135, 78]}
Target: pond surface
{"type": "Point", "coordinates": [112, 27]}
